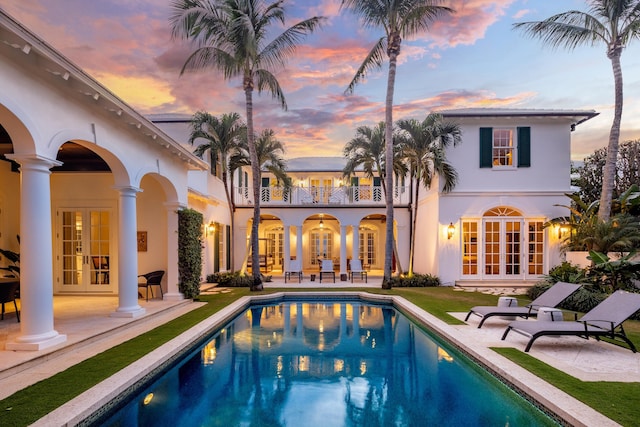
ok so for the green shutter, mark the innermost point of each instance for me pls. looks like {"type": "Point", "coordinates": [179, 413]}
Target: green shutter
{"type": "Point", "coordinates": [216, 248]}
{"type": "Point", "coordinates": [228, 246]}
{"type": "Point", "coordinates": [524, 147]}
{"type": "Point", "coordinates": [486, 147]}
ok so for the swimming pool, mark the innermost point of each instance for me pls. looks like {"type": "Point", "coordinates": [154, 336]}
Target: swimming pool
{"type": "Point", "coordinates": [323, 363]}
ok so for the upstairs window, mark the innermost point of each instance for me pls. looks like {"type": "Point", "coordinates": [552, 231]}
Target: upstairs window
{"type": "Point", "coordinates": [500, 150]}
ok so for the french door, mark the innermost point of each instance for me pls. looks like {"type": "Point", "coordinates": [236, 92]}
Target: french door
{"type": "Point", "coordinates": [503, 248]}
{"type": "Point", "coordinates": [367, 250]}
{"type": "Point", "coordinates": [321, 245]}
{"type": "Point", "coordinates": [84, 261]}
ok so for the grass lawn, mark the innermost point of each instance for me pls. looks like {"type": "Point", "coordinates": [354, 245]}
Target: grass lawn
{"type": "Point", "coordinates": [615, 400]}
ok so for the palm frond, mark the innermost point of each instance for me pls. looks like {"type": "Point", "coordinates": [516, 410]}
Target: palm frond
{"type": "Point", "coordinates": [373, 61]}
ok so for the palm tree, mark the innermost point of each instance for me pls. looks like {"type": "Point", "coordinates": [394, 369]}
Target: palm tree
{"type": "Point", "coordinates": [367, 150]}
{"type": "Point", "coordinates": [232, 36]}
{"type": "Point", "coordinates": [270, 153]}
{"type": "Point", "coordinates": [223, 139]}
{"type": "Point", "coordinates": [614, 23]}
{"type": "Point", "coordinates": [399, 19]}
{"type": "Point", "coordinates": [424, 144]}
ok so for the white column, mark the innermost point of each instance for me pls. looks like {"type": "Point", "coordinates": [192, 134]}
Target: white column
{"type": "Point", "coordinates": [36, 257]}
{"type": "Point", "coordinates": [173, 293]}
{"type": "Point", "coordinates": [343, 249]}
{"type": "Point", "coordinates": [299, 244]}
{"type": "Point", "coordinates": [127, 255]}
{"type": "Point", "coordinates": [355, 245]}
{"type": "Point", "coordinates": [286, 248]}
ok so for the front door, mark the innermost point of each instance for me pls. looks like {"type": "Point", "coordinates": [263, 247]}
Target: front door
{"type": "Point", "coordinates": [84, 261]}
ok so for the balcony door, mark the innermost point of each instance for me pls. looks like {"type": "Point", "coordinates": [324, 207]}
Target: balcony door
{"type": "Point", "coordinates": [83, 257]}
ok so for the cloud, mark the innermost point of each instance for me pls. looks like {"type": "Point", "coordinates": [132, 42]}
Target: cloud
{"type": "Point", "coordinates": [521, 13]}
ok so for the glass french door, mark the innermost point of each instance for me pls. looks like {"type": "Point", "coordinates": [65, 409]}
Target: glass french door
{"type": "Point", "coordinates": [503, 248]}
{"type": "Point", "coordinates": [367, 249]}
{"type": "Point", "coordinates": [84, 250]}
{"type": "Point", "coordinates": [321, 245]}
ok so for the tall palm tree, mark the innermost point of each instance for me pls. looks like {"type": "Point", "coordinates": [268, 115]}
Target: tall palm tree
{"type": "Point", "coordinates": [424, 146]}
{"type": "Point", "coordinates": [233, 36]}
{"type": "Point", "coordinates": [399, 19]}
{"type": "Point", "coordinates": [611, 22]}
{"type": "Point", "coordinates": [270, 153]}
{"type": "Point", "coordinates": [223, 138]}
{"type": "Point", "coordinates": [368, 150]}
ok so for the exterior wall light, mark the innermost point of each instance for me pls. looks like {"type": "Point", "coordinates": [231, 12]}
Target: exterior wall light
{"type": "Point", "coordinates": [211, 228]}
{"type": "Point", "coordinates": [450, 230]}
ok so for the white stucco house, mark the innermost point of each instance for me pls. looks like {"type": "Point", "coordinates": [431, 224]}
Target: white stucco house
{"type": "Point", "coordinates": [92, 187]}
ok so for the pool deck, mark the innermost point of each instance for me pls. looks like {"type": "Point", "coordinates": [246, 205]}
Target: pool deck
{"type": "Point", "coordinates": [90, 330]}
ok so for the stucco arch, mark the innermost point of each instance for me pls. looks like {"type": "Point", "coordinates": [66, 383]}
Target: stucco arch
{"type": "Point", "coordinates": [170, 191]}
{"type": "Point", "coordinates": [23, 132]}
{"type": "Point", "coordinates": [121, 175]}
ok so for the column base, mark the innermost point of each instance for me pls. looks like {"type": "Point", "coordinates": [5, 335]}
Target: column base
{"type": "Point", "coordinates": [129, 313]}
{"type": "Point", "coordinates": [177, 296]}
{"type": "Point", "coordinates": [37, 342]}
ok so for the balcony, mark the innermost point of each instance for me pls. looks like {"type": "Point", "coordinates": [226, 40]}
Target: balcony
{"type": "Point", "coordinates": [322, 196]}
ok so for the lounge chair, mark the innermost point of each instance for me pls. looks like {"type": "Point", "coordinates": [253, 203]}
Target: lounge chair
{"type": "Point", "coordinates": [326, 269]}
{"type": "Point", "coordinates": [549, 298]}
{"type": "Point", "coordinates": [357, 270]}
{"type": "Point", "coordinates": [604, 320]}
{"type": "Point", "coordinates": [295, 269]}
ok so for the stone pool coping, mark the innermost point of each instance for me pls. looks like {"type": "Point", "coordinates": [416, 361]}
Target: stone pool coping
{"type": "Point", "coordinates": [93, 401]}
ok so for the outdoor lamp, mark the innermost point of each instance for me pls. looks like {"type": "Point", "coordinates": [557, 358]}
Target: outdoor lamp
{"type": "Point", "coordinates": [211, 228]}
{"type": "Point", "coordinates": [450, 230]}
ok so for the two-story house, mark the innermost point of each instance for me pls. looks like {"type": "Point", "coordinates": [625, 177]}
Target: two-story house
{"type": "Point", "coordinates": [514, 170]}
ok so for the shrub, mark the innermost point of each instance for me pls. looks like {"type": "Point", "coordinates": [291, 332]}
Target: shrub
{"type": "Point", "coordinates": [189, 252]}
{"type": "Point", "coordinates": [415, 281]}
{"type": "Point", "coordinates": [230, 279]}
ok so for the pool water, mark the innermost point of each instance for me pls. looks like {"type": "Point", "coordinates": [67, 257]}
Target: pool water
{"type": "Point", "coordinates": [343, 363]}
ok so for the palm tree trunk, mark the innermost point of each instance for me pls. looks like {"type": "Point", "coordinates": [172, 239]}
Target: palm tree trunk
{"type": "Point", "coordinates": [388, 176]}
{"type": "Point", "coordinates": [255, 171]}
{"type": "Point", "coordinates": [228, 193]}
{"type": "Point", "coordinates": [415, 222]}
{"type": "Point", "coordinates": [609, 173]}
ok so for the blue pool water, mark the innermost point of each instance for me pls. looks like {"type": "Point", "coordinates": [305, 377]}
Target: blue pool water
{"type": "Point", "coordinates": [343, 363]}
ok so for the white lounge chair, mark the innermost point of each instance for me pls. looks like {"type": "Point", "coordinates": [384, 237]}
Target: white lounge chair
{"type": "Point", "coordinates": [295, 269]}
{"type": "Point", "coordinates": [356, 269]}
{"type": "Point", "coordinates": [326, 269]}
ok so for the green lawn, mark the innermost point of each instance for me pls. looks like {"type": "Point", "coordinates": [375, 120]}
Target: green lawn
{"type": "Point", "coordinates": [32, 403]}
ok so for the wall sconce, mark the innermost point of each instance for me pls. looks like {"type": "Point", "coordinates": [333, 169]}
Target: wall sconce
{"type": "Point", "coordinates": [562, 230]}
{"type": "Point", "coordinates": [321, 222]}
{"type": "Point", "coordinates": [211, 228]}
{"type": "Point", "coordinates": [450, 230]}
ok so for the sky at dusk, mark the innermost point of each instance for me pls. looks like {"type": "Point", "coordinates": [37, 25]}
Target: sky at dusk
{"type": "Point", "coordinates": [473, 58]}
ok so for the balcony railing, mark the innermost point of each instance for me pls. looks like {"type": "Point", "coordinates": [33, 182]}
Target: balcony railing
{"type": "Point", "coordinates": [346, 195]}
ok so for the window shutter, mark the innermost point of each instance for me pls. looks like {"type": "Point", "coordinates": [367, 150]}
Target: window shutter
{"type": "Point", "coordinates": [524, 147]}
{"type": "Point", "coordinates": [486, 147]}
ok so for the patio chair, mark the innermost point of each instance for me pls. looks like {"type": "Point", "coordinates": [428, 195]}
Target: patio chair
{"type": "Point", "coordinates": [295, 269]}
{"type": "Point", "coordinates": [9, 293]}
{"type": "Point", "coordinates": [604, 320]}
{"type": "Point", "coordinates": [356, 269]}
{"type": "Point", "coordinates": [152, 279]}
{"type": "Point", "coordinates": [326, 269]}
{"type": "Point", "coordinates": [549, 298]}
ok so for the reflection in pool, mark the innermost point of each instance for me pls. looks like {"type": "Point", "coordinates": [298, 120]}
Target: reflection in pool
{"type": "Point", "coordinates": [325, 364]}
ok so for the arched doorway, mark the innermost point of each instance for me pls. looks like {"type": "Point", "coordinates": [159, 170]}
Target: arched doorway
{"type": "Point", "coordinates": [504, 244]}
